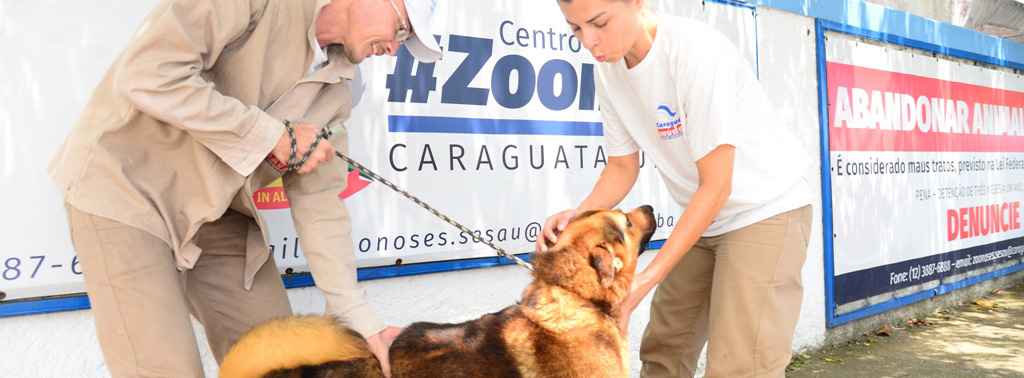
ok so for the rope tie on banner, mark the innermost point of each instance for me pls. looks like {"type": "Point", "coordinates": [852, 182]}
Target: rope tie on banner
{"type": "Point", "coordinates": [294, 164]}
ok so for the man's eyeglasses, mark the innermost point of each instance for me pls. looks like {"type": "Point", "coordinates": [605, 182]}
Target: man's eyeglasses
{"type": "Point", "coordinates": [403, 33]}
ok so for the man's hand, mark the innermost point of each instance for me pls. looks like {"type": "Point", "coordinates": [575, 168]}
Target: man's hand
{"type": "Point", "coordinates": [380, 342]}
{"type": "Point", "coordinates": [305, 133]}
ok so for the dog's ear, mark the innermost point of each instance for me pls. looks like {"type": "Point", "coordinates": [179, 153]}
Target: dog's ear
{"type": "Point", "coordinates": [603, 259]}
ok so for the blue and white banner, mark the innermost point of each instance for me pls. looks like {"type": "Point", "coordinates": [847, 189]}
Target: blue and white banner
{"type": "Point", "coordinates": [500, 133]}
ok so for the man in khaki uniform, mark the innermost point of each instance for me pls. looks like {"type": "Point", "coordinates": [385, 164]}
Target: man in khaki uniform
{"type": "Point", "coordinates": [159, 172]}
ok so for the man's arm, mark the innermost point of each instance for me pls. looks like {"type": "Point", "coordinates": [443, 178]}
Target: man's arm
{"type": "Point", "coordinates": [325, 233]}
{"type": "Point", "coordinates": [161, 74]}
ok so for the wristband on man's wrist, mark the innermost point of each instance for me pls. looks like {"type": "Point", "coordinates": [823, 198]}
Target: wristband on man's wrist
{"type": "Point", "coordinates": [294, 163]}
{"type": "Point", "coordinates": [277, 163]}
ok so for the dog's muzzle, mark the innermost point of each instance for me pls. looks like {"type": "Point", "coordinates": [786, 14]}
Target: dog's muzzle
{"type": "Point", "coordinates": [648, 212]}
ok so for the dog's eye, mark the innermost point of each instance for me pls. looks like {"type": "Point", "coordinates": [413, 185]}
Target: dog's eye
{"type": "Point", "coordinates": [628, 223]}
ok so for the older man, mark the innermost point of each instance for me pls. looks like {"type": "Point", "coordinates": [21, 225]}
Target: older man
{"type": "Point", "coordinates": [211, 100]}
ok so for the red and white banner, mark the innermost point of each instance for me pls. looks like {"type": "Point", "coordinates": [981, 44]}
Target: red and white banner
{"type": "Point", "coordinates": [927, 167]}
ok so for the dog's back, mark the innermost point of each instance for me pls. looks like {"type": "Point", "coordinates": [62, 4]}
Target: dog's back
{"type": "Point", "coordinates": [505, 344]}
{"type": "Point", "coordinates": [471, 349]}
{"type": "Point", "coordinates": [552, 334]}
{"type": "Point", "coordinates": [565, 326]}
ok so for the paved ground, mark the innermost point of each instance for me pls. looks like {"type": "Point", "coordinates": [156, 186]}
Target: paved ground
{"type": "Point", "coordinates": [984, 338]}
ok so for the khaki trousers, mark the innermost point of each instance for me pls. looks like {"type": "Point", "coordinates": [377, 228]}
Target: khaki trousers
{"type": "Point", "coordinates": [740, 292]}
{"type": "Point", "coordinates": [142, 303]}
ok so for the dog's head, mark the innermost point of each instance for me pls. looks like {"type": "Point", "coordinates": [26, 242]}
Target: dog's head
{"type": "Point", "coordinates": [595, 256]}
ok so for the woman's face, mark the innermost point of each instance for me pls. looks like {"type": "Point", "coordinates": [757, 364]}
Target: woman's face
{"type": "Point", "coordinates": [607, 28]}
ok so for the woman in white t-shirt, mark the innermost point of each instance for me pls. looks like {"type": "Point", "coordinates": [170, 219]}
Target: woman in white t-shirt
{"type": "Point", "coordinates": [730, 271]}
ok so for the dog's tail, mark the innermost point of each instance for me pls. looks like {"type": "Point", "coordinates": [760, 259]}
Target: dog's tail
{"type": "Point", "coordinates": [294, 344]}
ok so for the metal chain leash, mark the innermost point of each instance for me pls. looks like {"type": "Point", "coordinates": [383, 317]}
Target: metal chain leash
{"type": "Point", "coordinates": [374, 176]}
{"type": "Point", "coordinates": [294, 164]}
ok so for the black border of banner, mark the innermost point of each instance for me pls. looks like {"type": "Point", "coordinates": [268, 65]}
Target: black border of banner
{"type": "Point", "coordinates": [870, 282]}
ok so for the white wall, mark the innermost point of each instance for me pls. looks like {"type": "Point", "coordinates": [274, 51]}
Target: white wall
{"type": "Point", "coordinates": [788, 70]}
{"type": "Point", "coordinates": [64, 344]}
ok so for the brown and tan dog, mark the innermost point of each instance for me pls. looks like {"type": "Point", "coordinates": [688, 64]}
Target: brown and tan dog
{"type": "Point", "coordinates": [565, 325]}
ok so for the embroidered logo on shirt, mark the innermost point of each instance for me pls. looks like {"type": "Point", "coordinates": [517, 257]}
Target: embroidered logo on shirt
{"type": "Point", "coordinates": [670, 124]}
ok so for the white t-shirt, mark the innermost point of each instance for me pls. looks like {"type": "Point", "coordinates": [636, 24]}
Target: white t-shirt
{"type": "Point", "coordinates": [692, 93]}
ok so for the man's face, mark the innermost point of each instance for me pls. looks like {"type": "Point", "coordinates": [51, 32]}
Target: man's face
{"type": "Point", "coordinates": [374, 27]}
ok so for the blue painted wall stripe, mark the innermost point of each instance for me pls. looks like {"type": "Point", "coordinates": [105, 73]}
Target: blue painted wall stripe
{"type": "Point", "coordinates": [828, 259]}
{"type": "Point", "coordinates": [81, 302]}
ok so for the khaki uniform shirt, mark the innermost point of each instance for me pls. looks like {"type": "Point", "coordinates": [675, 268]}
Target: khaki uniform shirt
{"type": "Point", "coordinates": [179, 128]}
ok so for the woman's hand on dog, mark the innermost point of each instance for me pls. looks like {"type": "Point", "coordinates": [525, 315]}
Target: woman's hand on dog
{"type": "Point", "coordinates": [626, 310]}
{"type": "Point", "coordinates": [380, 342]}
{"type": "Point", "coordinates": [552, 227]}
{"type": "Point", "coordinates": [643, 283]}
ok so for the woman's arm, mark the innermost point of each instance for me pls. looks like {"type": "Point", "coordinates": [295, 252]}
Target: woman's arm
{"type": "Point", "coordinates": [715, 170]}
